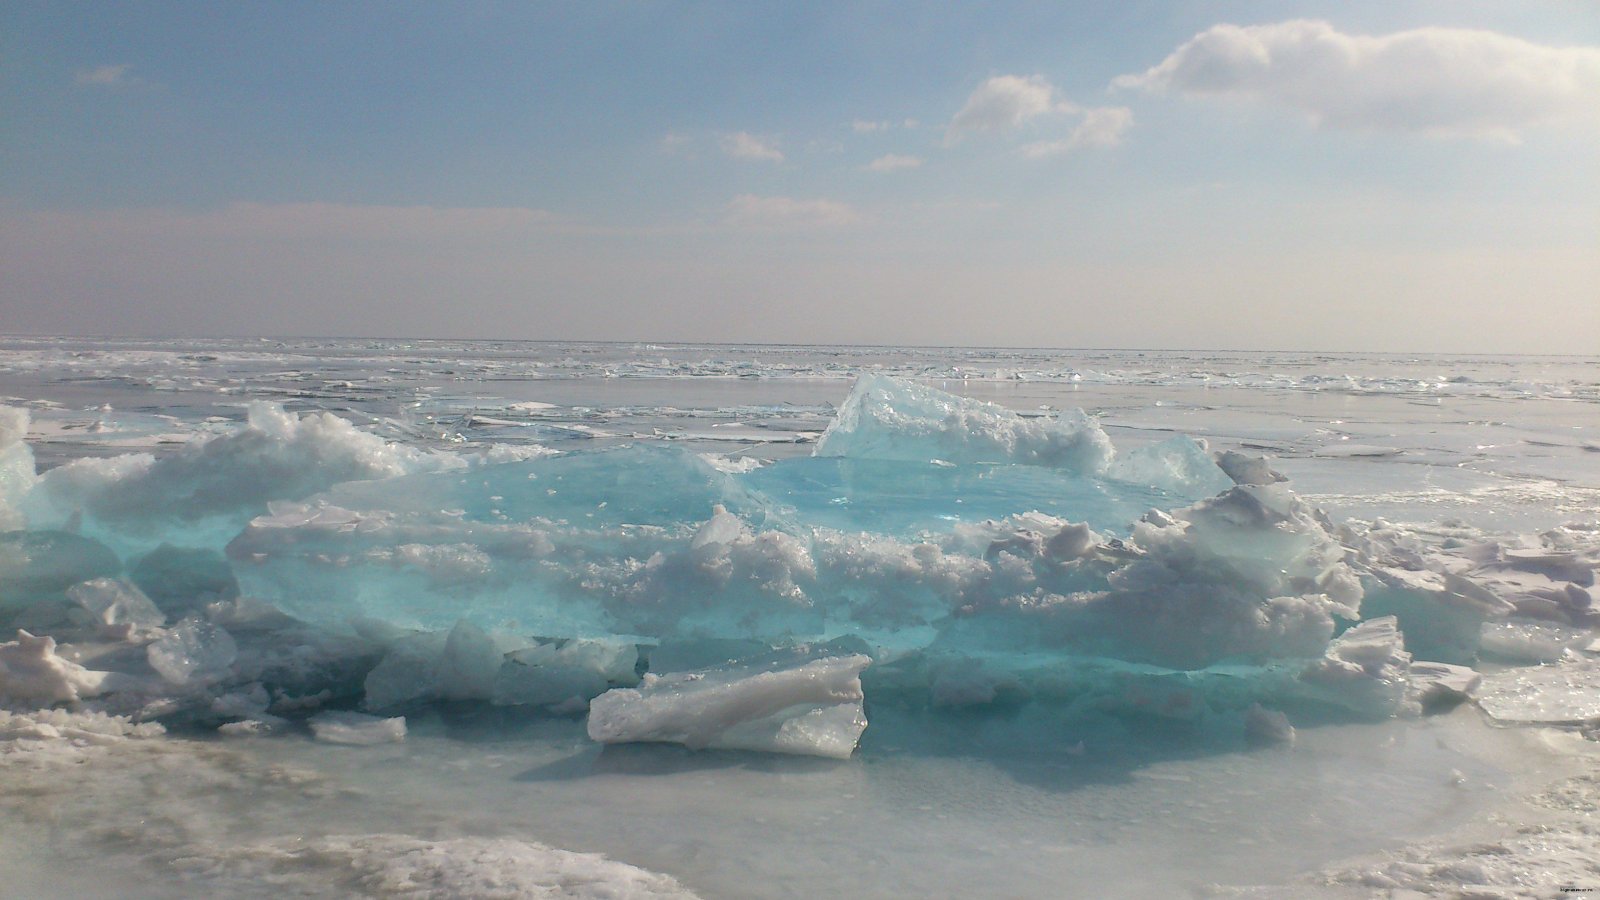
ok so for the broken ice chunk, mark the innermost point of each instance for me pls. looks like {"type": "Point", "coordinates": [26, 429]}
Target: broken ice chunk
{"type": "Point", "coordinates": [194, 652]}
{"type": "Point", "coordinates": [1435, 684]}
{"type": "Point", "coordinates": [358, 729]}
{"type": "Point", "coordinates": [887, 418]}
{"type": "Point", "coordinates": [460, 664]}
{"type": "Point", "coordinates": [31, 672]}
{"type": "Point", "coordinates": [1244, 469]}
{"type": "Point", "coordinates": [1563, 694]}
{"type": "Point", "coordinates": [203, 493]}
{"type": "Point", "coordinates": [118, 607]}
{"type": "Point", "coordinates": [1522, 641]}
{"type": "Point", "coordinates": [813, 708]}
{"type": "Point", "coordinates": [1177, 465]}
{"type": "Point", "coordinates": [16, 465]}
{"type": "Point", "coordinates": [1365, 669]}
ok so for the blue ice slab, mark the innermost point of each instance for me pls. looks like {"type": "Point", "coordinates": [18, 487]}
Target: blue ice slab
{"type": "Point", "coordinates": [40, 565]}
{"type": "Point", "coordinates": [1031, 566]}
{"type": "Point", "coordinates": [202, 494]}
{"type": "Point", "coordinates": [640, 485]}
{"type": "Point", "coordinates": [908, 497]}
{"type": "Point", "coordinates": [1179, 466]}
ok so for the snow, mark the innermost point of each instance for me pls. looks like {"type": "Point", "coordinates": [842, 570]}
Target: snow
{"type": "Point", "coordinates": [399, 865]}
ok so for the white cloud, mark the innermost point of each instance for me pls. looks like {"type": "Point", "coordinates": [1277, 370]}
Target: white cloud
{"type": "Point", "coordinates": [675, 141]}
{"type": "Point", "coordinates": [770, 212]}
{"type": "Point", "coordinates": [862, 126]}
{"type": "Point", "coordinates": [104, 76]}
{"type": "Point", "coordinates": [744, 145]}
{"type": "Point", "coordinates": [1002, 102]}
{"type": "Point", "coordinates": [891, 162]}
{"type": "Point", "coordinates": [1101, 126]}
{"type": "Point", "coordinates": [1443, 82]}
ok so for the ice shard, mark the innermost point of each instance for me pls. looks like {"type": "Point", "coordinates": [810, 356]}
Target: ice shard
{"type": "Point", "coordinates": [810, 708]}
{"type": "Point", "coordinates": [889, 418]}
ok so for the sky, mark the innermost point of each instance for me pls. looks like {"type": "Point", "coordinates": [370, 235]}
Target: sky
{"type": "Point", "coordinates": [1354, 176]}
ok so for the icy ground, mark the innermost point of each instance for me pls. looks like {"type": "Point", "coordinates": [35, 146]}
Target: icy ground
{"type": "Point", "coordinates": [588, 620]}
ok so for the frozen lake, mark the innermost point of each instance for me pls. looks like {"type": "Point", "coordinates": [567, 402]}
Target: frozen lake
{"type": "Point", "coordinates": [1014, 747]}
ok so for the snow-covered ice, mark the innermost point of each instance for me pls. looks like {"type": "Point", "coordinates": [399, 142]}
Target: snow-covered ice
{"type": "Point", "coordinates": [1095, 623]}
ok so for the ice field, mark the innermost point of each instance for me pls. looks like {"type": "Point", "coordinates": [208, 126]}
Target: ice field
{"type": "Point", "coordinates": [448, 618]}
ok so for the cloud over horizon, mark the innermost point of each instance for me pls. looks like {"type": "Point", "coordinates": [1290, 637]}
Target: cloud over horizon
{"type": "Point", "coordinates": [1440, 82]}
{"type": "Point", "coordinates": [773, 212]}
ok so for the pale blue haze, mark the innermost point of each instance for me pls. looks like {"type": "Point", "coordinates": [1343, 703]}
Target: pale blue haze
{"type": "Point", "coordinates": [182, 168]}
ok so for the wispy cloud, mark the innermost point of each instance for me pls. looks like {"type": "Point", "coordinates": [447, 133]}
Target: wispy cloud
{"type": "Point", "coordinates": [744, 145]}
{"type": "Point", "coordinates": [771, 212]}
{"type": "Point", "coordinates": [1101, 126]}
{"type": "Point", "coordinates": [105, 76]}
{"type": "Point", "coordinates": [1442, 82]}
{"type": "Point", "coordinates": [893, 162]}
{"type": "Point", "coordinates": [1004, 102]}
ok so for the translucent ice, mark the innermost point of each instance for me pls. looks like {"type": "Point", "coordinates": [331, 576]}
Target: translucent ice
{"type": "Point", "coordinates": [888, 418]}
{"type": "Point", "coordinates": [564, 675]}
{"type": "Point", "coordinates": [183, 579]}
{"type": "Point", "coordinates": [38, 566]}
{"type": "Point", "coordinates": [203, 494]}
{"type": "Point", "coordinates": [194, 652]}
{"type": "Point", "coordinates": [1181, 466]}
{"type": "Point", "coordinates": [1523, 641]}
{"type": "Point", "coordinates": [460, 664]}
{"type": "Point", "coordinates": [1566, 693]}
{"type": "Point", "coordinates": [988, 558]}
{"type": "Point", "coordinates": [16, 465]}
{"type": "Point", "coordinates": [118, 607]}
{"type": "Point", "coordinates": [1248, 574]}
{"type": "Point", "coordinates": [811, 708]}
